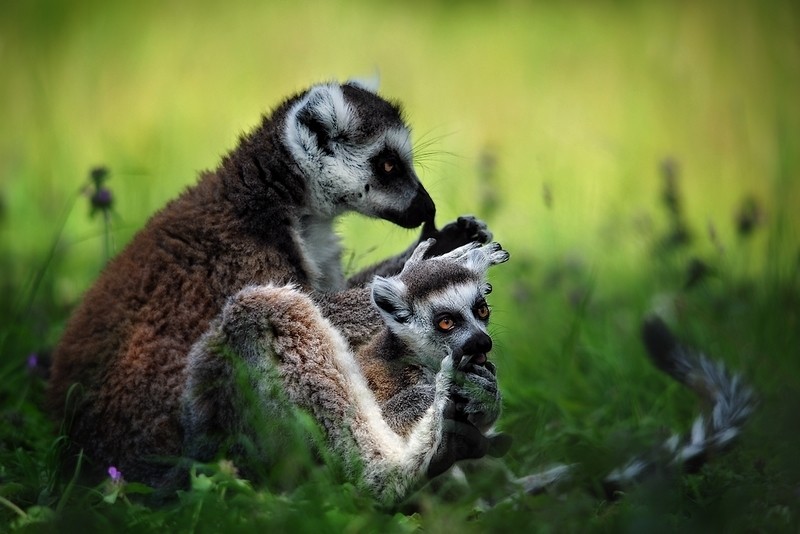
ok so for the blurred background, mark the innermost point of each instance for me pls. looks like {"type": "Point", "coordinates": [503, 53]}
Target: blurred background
{"type": "Point", "coordinates": [631, 155]}
{"type": "Point", "coordinates": [550, 119]}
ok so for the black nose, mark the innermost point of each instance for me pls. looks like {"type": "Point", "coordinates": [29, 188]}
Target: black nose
{"type": "Point", "coordinates": [479, 343]}
{"type": "Point", "coordinates": [421, 210]}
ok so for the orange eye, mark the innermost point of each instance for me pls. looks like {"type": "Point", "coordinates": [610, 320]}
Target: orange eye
{"type": "Point", "coordinates": [445, 324]}
{"type": "Point", "coordinates": [482, 311]}
{"type": "Point", "coordinates": [388, 166]}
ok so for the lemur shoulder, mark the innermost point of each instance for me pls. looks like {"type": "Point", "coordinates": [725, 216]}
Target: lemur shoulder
{"type": "Point", "coordinates": [265, 215]}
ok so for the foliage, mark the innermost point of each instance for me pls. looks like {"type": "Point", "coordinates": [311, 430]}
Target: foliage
{"type": "Point", "coordinates": [632, 156]}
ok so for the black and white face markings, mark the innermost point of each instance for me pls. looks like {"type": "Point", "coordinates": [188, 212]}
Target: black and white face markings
{"type": "Point", "coordinates": [355, 150]}
{"type": "Point", "coordinates": [437, 306]}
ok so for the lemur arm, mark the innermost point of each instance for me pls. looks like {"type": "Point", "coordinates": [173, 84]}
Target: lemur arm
{"type": "Point", "coordinates": [464, 230]}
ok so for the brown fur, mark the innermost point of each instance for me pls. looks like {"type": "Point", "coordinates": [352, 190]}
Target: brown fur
{"type": "Point", "coordinates": [127, 342]}
{"type": "Point", "coordinates": [386, 375]}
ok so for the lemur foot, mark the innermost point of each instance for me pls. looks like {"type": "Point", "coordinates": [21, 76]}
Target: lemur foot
{"type": "Point", "coordinates": [460, 440]}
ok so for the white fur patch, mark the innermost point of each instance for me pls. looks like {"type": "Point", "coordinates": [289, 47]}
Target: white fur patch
{"type": "Point", "coordinates": [399, 140]}
{"type": "Point", "coordinates": [367, 83]}
{"type": "Point", "coordinates": [322, 254]}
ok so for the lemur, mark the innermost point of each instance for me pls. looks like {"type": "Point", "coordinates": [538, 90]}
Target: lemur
{"type": "Point", "coordinates": [264, 216]}
{"type": "Point", "coordinates": [289, 356]}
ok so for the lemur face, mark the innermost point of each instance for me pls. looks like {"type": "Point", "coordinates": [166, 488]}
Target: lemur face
{"type": "Point", "coordinates": [437, 306]}
{"type": "Point", "coordinates": [355, 150]}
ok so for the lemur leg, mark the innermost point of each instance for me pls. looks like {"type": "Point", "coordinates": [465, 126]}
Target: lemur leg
{"type": "Point", "coordinates": [282, 342]}
{"type": "Point", "coordinates": [464, 230]}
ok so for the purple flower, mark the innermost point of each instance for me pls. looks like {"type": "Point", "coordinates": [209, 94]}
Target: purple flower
{"type": "Point", "coordinates": [102, 199]}
{"type": "Point", "coordinates": [33, 361]}
{"type": "Point", "coordinates": [115, 474]}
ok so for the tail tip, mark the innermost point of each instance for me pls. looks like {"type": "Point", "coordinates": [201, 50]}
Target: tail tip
{"type": "Point", "coordinates": [658, 338]}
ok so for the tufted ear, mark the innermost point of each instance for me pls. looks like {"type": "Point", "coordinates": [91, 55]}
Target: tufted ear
{"type": "Point", "coordinates": [321, 116]}
{"type": "Point", "coordinates": [389, 295]}
{"type": "Point", "coordinates": [367, 83]}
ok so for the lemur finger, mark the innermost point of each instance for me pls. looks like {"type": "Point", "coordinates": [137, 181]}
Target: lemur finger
{"type": "Point", "coordinates": [479, 376]}
{"type": "Point", "coordinates": [477, 397]}
{"type": "Point", "coordinates": [421, 250]}
{"type": "Point", "coordinates": [477, 390]}
{"type": "Point", "coordinates": [495, 253]}
{"type": "Point", "coordinates": [487, 370]}
{"type": "Point", "coordinates": [475, 228]}
{"type": "Point", "coordinates": [479, 379]}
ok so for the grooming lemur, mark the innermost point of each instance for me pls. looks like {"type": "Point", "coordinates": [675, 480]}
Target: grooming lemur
{"type": "Point", "coordinates": [264, 216]}
{"type": "Point", "coordinates": [288, 356]}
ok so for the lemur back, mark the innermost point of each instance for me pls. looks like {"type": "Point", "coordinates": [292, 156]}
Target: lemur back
{"type": "Point", "coordinates": [265, 215]}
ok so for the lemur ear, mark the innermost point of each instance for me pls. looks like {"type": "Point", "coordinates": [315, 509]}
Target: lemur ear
{"type": "Point", "coordinates": [389, 294]}
{"type": "Point", "coordinates": [321, 116]}
{"type": "Point", "coordinates": [367, 83]}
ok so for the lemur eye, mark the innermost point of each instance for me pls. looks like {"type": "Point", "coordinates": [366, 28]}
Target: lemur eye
{"type": "Point", "coordinates": [387, 165]}
{"type": "Point", "coordinates": [445, 323]}
{"type": "Point", "coordinates": [482, 311]}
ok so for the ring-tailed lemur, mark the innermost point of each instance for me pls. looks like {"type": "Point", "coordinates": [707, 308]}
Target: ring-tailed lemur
{"type": "Point", "coordinates": [289, 357]}
{"type": "Point", "coordinates": [266, 215]}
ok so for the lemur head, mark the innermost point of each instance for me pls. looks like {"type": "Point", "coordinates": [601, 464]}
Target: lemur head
{"type": "Point", "coordinates": [437, 306]}
{"type": "Point", "coordinates": [355, 151]}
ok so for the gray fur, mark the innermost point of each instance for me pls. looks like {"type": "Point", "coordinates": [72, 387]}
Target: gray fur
{"type": "Point", "coordinates": [296, 358]}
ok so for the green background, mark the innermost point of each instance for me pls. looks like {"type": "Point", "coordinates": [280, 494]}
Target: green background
{"type": "Point", "coordinates": [551, 120]}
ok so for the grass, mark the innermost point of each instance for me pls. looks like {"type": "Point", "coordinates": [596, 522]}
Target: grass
{"type": "Point", "coordinates": [552, 121]}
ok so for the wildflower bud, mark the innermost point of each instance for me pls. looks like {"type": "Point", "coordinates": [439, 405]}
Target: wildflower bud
{"type": "Point", "coordinates": [98, 176]}
{"type": "Point", "coordinates": [115, 474]}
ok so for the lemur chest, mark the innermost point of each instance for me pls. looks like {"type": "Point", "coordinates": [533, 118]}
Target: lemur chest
{"type": "Point", "coordinates": [321, 252]}
{"type": "Point", "coordinates": [388, 378]}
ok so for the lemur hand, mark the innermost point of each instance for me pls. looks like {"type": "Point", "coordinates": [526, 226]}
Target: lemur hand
{"type": "Point", "coordinates": [477, 396]}
{"type": "Point", "coordinates": [464, 230]}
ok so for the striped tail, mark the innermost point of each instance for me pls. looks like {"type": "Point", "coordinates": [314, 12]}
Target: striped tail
{"type": "Point", "coordinates": [729, 402]}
